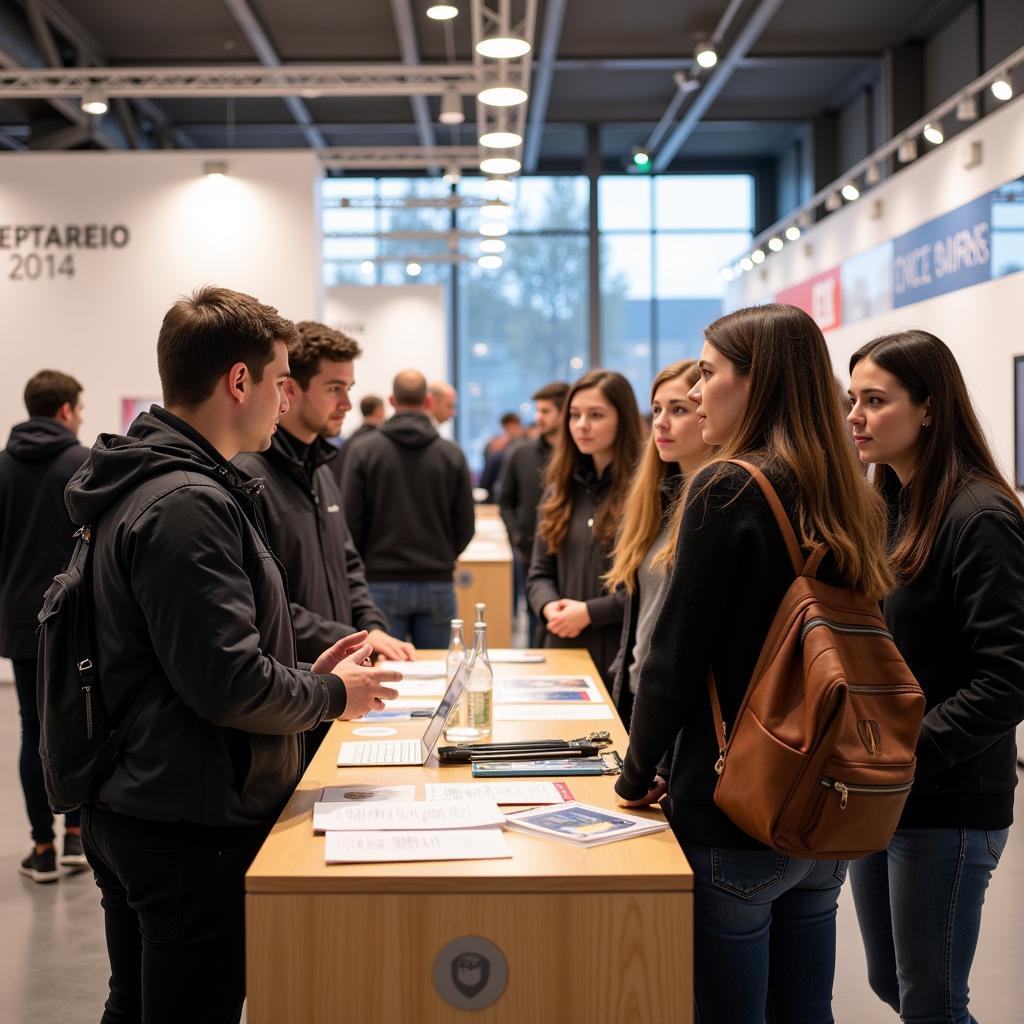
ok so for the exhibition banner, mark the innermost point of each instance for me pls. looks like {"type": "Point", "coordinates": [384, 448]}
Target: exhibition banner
{"type": "Point", "coordinates": [867, 283]}
{"type": "Point", "coordinates": [821, 296]}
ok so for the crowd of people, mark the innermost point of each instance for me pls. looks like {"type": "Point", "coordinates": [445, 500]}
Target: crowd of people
{"type": "Point", "coordinates": [256, 572]}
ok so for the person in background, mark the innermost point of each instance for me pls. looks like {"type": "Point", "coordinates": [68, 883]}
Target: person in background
{"type": "Point", "coordinates": [764, 922]}
{"type": "Point", "coordinates": [957, 549]}
{"type": "Point", "coordinates": [586, 483]}
{"type": "Point", "coordinates": [674, 452]}
{"type": "Point", "coordinates": [302, 505]}
{"type": "Point", "coordinates": [36, 541]}
{"type": "Point", "coordinates": [371, 408]}
{"type": "Point", "coordinates": [443, 402]}
{"type": "Point", "coordinates": [409, 503]}
{"type": "Point", "coordinates": [521, 485]}
{"type": "Point", "coordinates": [495, 452]}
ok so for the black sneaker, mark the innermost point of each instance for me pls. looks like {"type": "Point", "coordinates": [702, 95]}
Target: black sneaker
{"type": "Point", "coordinates": [41, 867]}
{"type": "Point", "coordinates": [72, 855]}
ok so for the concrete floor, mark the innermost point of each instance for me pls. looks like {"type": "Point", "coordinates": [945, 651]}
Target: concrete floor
{"type": "Point", "coordinates": [53, 966]}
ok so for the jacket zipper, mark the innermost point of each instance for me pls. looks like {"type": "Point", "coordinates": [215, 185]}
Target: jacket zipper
{"type": "Point", "coordinates": [842, 627]}
{"type": "Point", "coordinates": [844, 789]}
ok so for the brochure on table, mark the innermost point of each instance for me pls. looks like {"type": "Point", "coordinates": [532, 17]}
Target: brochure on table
{"type": "Point", "coordinates": [583, 824]}
{"type": "Point", "coordinates": [388, 847]}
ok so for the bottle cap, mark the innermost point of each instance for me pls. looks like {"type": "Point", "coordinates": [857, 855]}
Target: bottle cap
{"type": "Point", "coordinates": [456, 622]}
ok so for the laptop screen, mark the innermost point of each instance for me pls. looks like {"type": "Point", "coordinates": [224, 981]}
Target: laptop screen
{"type": "Point", "coordinates": [444, 709]}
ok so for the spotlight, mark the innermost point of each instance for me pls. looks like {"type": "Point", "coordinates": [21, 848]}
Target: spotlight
{"type": "Point", "coordinates": [451, 108]}
{"type": "Point", "coordinates": [493, 228]}
{"type": "Point", "coordinates": [757, 256]}
{"type": "Point", "coordinates": [452, 175]}
{"type": "Point", "coordinates": [641, 158]}
{"type": "Point", "coordinates": [499, 187]}
{"type": "Point", "coordinates": [94, 101]}
{"type": "Point", "coordinates": [967, 109]}
{"type": "Point", "coordinates": [833, 202]}
{"type": "Point", "coordinates": [907, 151]}
{"type": "Point", "coordinates": [792, 233]}
{"type": "Point", "coordinates": [501, 140]}
{"type": "Point", "coordinates": [746, 263]}
{"type": "Point", "coordinates": [804, 219]}
{"type": "Point", "coordinates": [775, 244]}
{"type": "Point", "coordinates": [727, 273]}
{"type": "Point", "coordinates": [492, 245]}
{"type": "Point", "coordinates": [933, 133]}
{"type": "Point", "coordinates": [442, 12]}
{"type": "Point", "coordinates": [366, 267]}
{"type": "Point", "coordinates": [495, 208]}
{"type": "Point", "coordinates": [500, 165]}
{"type": "Point", "coordinates": [706, 55]}
{"type": "Point", "coordinates": [489, 262]}
{"type": "Point", "coordinates": [413, 269]}
{"type": "Point", "coordinates": [873, 175]}
{"type": "Point", "coordinates": [502, 96]}
{"type": "Point", "coordinates": [684, 83]}
{"type": "Point", "coordinates": [503, 47]}
{"type": "Point", "coordinates": [1002, 89]}
{"type": "Point", "coordinates": [850, 192]}
{"type": "Point", "coordinates": [215, 168]}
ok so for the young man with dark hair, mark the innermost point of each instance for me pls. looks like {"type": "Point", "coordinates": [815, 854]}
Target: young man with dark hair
{"type": "Point", "coordinates": [521, 481]}
{"type": "Point", "coordinates": [191, 602]}
{"type": "Point", "coordinates": [409, 503]}
{"type": "Point", "coordinates": [302, 505]}
{"type": "Point", "coordinates": [36, 541]}
{"type": "Point", "coordinates": [495, 452]}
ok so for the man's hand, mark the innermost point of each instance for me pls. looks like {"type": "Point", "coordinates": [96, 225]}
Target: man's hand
{"type": "Point", "coordinates": [338, 651]}
{"type": "Point", "coordinates": [568, 619]}
{"type": "Point", "coordinates": [390, 647]}
{"type": "Point", "coordinates": [349, 660]}
{"type": "Point", "coordinates": [653, 795]}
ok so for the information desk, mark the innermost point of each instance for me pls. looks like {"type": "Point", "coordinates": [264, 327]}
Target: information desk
{"type": "Point", "coordinates": [596, 935]}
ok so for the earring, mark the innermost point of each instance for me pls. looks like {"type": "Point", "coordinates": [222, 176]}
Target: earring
{"type": "Point", "coordinates": [926, 423]}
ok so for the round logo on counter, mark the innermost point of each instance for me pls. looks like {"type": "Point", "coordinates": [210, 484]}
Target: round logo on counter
{"type": "Point", "coordinates": [470, 973]}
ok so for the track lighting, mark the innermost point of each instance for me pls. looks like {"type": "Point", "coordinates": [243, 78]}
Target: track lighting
{"type": "Point", "coordinates": [775, 244]}
{"type": "Point", "coordinates": [967, 109]}
{"type": "Point", "coordinates": [746, 263]}
{"type": "Point", "coordinates": [451, 108]}
{"type": "Point", "coordinates": [757, 256]}
{"type": "Point", "coordinates": [792, 233]}
{"type": "Point", "coordinates": [706, 55]}
{"type": "Point", "coordinates": [933, 133]}
{"type": "Point", "coordinates": [94, 101]}
{"type": "Point", "coordinates": [851, 192]}
{"type": "Point", "coordinates": [833, 202]}
{"type": "Point", "coordinates": [873, 175]}
{"type": "Point", "coordinates": [442, 12]}
{"type": "Point", "coordinates": [907, 151]}
{"type": "Point", "coordinates": [1002, 88]}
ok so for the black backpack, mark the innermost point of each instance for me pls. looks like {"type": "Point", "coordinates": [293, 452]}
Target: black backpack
{"type": "Point", "coordinates": [78, 742]}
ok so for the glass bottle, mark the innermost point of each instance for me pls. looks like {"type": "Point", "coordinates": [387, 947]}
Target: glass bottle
{"type": "Point", "coordinates": [479, 608]}
{"type": "Point", "coordinates": [456, 650]}
{"type": "Point", "coordinates": [480, 688]}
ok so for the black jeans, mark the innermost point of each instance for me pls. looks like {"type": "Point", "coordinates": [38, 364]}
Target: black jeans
{"type": "Point", "coordinates": [173, 896]}
{"type": "Point", "coordinates": [29, 766]}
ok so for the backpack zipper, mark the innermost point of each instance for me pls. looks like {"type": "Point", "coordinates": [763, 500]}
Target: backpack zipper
{"type": "Point", "coordinates": [842, 627]}
{"type": "Point", "coordinates": [844, 789]}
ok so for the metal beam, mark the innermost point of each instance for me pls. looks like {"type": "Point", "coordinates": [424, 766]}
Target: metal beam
{"type": "Point", "coordinates": [406, 32]}
{"type": "Point", "coordinates": [263, 48]}
{"type": "Point", "coordinates": [398, 157]}
{"type": "Point", "coordinates": [553, 20]}
{"type": "Point", "coordinates": [42, 34]}
{"type": "Point", "coordinates": [762, 62]}
{"type": "Point", "coordinates": [711, 89]}
{"type": "Point", "coordinates": [10, 142]}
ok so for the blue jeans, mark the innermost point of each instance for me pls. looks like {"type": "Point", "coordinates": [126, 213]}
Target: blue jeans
{"type": "Point", "coordinates": [418, 611]}
{"type": "Point", "coordinates": [919, 909]}
{"type": "Point", "coordinates": [764, 936]}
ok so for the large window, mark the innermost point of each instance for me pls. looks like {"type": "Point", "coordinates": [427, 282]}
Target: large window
{"type": "Point", "coordinates": [661, 243]}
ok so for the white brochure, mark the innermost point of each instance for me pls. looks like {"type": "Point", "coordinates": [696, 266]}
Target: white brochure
{"type": "Point", "coordinates": [439, 814]}
{"type": "Point", "coordinates": [360, 793]}
{"type": "Point", "coordinates": [551, 712]}
{"type": "Point", "coordinates": [500, 792]}
{"type": "Point", "coordinates": [384, 847]}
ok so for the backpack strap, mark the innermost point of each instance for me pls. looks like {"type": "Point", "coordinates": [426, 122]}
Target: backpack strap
{"type": "Point", "coordinates": [716, 714]}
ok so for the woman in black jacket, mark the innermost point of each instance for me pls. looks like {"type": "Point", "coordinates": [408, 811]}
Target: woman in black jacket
{"type": "Point", "coordinates": [764, 922]}
{"type": "Point", "coordinates": [586, 483]}
{"type": "Point", "coordinates": [957, 548]}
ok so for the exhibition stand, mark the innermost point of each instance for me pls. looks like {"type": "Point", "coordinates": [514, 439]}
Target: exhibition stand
{"type": "Point", "coordinates": [483, 573]}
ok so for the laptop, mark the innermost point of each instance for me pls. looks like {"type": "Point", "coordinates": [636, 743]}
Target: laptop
{"type": "Point", "coordinates": [412, 752]}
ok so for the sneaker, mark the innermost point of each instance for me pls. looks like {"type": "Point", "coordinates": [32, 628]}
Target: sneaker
{"type": "Point", "coordinates": [41, 867]}
{"type": "Point", "coordinates": [72, 855]}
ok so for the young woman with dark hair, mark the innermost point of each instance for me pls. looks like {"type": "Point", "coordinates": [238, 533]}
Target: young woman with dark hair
{"type": "Point", "coordinates": [674, 451]}
{"type": "Point", "coordinates": [764, 922]}
{"type": "Point", "coordinates": [586, 483]}
{"type": "Point", "coordinates": [956, 539]}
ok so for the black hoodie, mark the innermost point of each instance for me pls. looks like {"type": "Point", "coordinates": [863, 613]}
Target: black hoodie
{"type": "Point", "coordinates": [409, 501]}
{"type": "Point", "coordinates": [36, 535]}
{"type": "Point", "coordinates": [187, 589]}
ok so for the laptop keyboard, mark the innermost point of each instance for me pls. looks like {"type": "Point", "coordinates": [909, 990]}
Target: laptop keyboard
{"type": "Point", "coordinates": [383, 752]}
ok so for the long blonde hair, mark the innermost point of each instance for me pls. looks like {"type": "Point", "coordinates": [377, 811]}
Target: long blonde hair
{"type": "Point", "coordinates": [794, 423]}
{"type": "Point", "coordinates": [643, 515]}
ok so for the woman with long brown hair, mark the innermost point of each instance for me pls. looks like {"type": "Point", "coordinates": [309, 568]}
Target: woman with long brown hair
{"type": "Point", "coordinates": [764, 922]}
{"type": "Point", "coordinates": [586, 483]}
{"type": "Point", "coordinates": [957, 548]}
{"type": "Point", "coordinates": [674, 451]}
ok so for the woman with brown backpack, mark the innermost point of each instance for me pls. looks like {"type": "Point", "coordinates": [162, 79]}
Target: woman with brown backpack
{"type": "Point", "coordinates": [956, 538]}
{"type": "Point", "coordinates": [764, 921]}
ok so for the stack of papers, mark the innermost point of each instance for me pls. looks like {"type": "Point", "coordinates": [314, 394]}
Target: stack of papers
{"type": "Point", "coordinates": [406, 815]}
{"type": "Point", "coordinates": [582, 825]}
{"type": "Point", "coordinates": [501, 792]}
{"type": "Point", "coordinates": [388, 847]}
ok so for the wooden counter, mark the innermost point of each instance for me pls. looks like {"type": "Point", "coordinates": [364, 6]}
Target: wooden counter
{"type": "Point", "coordinates": [589, 935]}
{"type": "Point", "coordinates": [484, 573]}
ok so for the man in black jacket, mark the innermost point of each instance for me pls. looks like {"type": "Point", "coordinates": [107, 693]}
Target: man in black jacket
{"type": "Point", "coordinates": [301, 505]}
{"type": "Point", "coordinates": [521, 483]}
{"type": "Point", "coordinates": [190, 598]}
{"type": "Point", "coordinates": [371, 408]}
{"type": "Point", "coordinates": [409, 503]}
{"type": "Point", "coordinates": [36, 540]}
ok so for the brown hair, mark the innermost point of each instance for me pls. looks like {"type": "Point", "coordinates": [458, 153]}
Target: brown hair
{"type": "Point", "coordinates": [314, 342]}
{"type": "Point", "coordinates": [204, 335]}
{"type": "Point", "coordinates": [48, 390]}
{"type": "Point", "coordinates": [554, 392]}
{"type": "Point", "coordinates": [369, 404]}
{"type": "Point", "coordinates": [794, 422]}
{"type": "Point", "coordinates": [951, 452]}
{"type": "Point", "coordinates": [556, 509]}
{"type": "Point", "coordinates": [643, 514]}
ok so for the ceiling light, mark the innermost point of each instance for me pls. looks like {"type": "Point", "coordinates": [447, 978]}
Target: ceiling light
{"type": "Point", "coordinates": [492, 245]}
{"type": "Point", "coordinates": [500, 165]}
{"type": "Point", "coordinates": [502, 96]}
{"type": "Point", "coordinates": [442, 12]}
{"type": "Point", "coordinates": [503, 47]}
{"type": "Point", "coordinates": [933, 132]}
{"type": "Point", "coordinates": [851, 192]}
{"type": "Point", "coordinates": [641, 158]}
{"type": "Point", "coordinates": [215, 168]}
{"type": "Point", "coordinates": [493, 228]}
{"type": "Point", "coordinates": [452, 175]}
{"type": "Point", "coordinates": [684, 83]}
{"type": "Point", "coordinates": [501, 140]}
{"type": "Point", "coordinates": [804, 219]}
{"type": "Point", "coordinates": [833, 202]}
{"type": "Point", "coordinates": [495, 208]}
{"type": "Point", "coordinates": [967, 109]}
{"type": "Point", "coordinates": [775, 244]}
{"type": "Point", "coordinates": [500, 187]}
{"type": "Point", "coordinates": [366, 267]}
{"type": "Point", "coordinates": [413, 269]}
{"type": "Point", "coordinates": [873, 175]}
{"type": "Point", "coordinates": [757, 256]}
{"type": "Point", "coordinates": [746, 263]}
{"type": "Point", "coordinates": [489, 262]}
{"type": "Point", "coordinates": [907, 151]}
{"type": "Point", "coordinates": [94, 101]}
{"type": "Point", "coordinates": [451, 108]}
{"type": "Point", "coordinates": [792, 232]}
{"type": "Point", "coordinates": [1002, 89]}
{"type": "Point", "coordinates": [705, 55]}
{"type": "Point", "coordinates": [727, 273]}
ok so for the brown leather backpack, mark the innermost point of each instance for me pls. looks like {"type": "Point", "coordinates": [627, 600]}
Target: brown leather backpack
{"type": "Point", "coordinates": [820, 759]}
